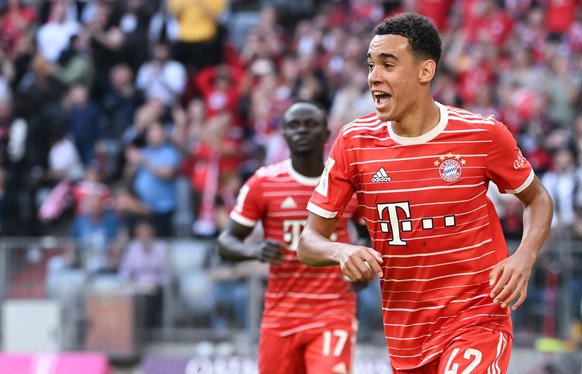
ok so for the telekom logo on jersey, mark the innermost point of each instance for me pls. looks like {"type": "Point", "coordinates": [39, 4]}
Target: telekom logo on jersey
{"type": "Point", "coordinates": [397, 226]}
{"type": "Point", "coordinates": [292, 230]}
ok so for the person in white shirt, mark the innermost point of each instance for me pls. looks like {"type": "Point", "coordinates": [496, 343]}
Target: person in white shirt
{"type": "Point", "coordinates": [54, 36]}
{"type": "Point", "coordinates": [162, 77]}
{"type": "Point", "coordinates": [143, 269]}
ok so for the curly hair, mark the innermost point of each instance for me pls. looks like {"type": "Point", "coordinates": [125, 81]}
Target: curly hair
{"type": "Point", "coordinates": [423, 37]}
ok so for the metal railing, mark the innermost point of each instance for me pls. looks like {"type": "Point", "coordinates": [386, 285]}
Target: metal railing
{"type": "Point", "coordinates": [205, 299]}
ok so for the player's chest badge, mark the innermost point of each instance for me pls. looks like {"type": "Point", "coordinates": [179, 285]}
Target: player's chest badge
{"type": "Point", "coordinates": [450, 167]}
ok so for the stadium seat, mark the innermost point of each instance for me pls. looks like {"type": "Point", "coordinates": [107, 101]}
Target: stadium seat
{"type": "Point", "coordinates": [195, 292]}
{"type": "Point", "coordinates": [66, 285]}
{"type": "Point", "coordinates": [188, 292]}
{"type": "Point", "coordinates": [187, 255]}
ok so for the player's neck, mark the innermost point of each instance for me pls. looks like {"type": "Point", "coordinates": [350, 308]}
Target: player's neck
{"type": "Point", "coordinates": [419, 121]}
{"type": "Point", "coordinates": [309, 166]}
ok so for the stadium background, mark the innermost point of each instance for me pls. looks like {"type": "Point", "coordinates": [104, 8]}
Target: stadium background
{"type": "Point", "coordinates": [81, 81]}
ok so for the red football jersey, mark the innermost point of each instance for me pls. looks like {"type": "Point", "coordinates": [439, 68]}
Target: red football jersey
{"type": "Point", "coordinates": [424, 202]}
{"type": "Point", "coordinates": [298, 297]}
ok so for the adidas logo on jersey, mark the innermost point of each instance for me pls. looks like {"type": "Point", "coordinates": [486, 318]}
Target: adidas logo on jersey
{"type": "Point", "coordinates": [381, 176]}
{"type": "Point", "coordinates": [288, 203]}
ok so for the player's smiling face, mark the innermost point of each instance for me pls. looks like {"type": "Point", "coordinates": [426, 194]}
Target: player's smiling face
{"type": "Point", "coordinates": [304, 128]}
{"type": "Point", "coordinates": [392, 76]}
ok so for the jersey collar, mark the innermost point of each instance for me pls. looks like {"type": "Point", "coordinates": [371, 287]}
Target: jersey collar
{"type": "Point", "coordinates": [302, 179]}
{"type": "Point", "coordinates": [424, 138]}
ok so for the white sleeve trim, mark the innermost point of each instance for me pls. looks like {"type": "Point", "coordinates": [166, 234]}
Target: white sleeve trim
{"type": "Point", "coordinates": [242, 220]}
{"type": "Point", "coordinates": [525, 184]}
{"type": "Point", "coordinates": [319, 211]}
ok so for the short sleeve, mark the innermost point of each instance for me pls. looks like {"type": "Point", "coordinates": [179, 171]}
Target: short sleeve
{"type": "Point", "coordinates": [506, 165]}
{"type": "Point", "coordinates": [335, 189]}
{"type": "Point", "coordinates": [250, 204]}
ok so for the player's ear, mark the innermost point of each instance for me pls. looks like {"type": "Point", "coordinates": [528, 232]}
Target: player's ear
{"type": "Point", "coordinates": [426, 71]}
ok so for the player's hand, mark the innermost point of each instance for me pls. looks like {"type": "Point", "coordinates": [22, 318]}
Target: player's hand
{"type": "Point", "coordinates": [271, 251]}
{"type": "Point", "coordinates": [510, 278]}
{"type": "Point", "coordinates": [361, 263]}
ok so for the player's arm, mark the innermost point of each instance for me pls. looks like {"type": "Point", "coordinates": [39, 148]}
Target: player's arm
{"type": "Point", "coordinates": [316, 249]}
{"type": "Point", "coordinates": [232, 247]}
{"type": "Point", "coordinates": [510, 277]}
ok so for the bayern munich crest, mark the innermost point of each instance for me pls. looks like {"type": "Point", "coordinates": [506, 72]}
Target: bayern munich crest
{"type": "Point", "coordinates": [450, 167]}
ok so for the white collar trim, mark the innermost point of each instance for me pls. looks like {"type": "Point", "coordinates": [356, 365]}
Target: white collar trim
{"type": "Point", "coordinates": [424, 138]}
{"type": "Point", "coordinates": [306, 181]}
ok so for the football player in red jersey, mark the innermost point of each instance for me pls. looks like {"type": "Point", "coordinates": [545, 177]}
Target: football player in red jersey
{"type": "Point", "coordinates": [421, 171]}
{"type": "Point", "coordinates": [308, 323]}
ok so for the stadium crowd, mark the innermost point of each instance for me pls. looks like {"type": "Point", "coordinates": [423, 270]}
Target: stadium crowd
{"type": "Point", "coordinates": [161, 109]}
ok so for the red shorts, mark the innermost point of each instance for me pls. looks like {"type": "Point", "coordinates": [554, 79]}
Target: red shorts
{"type": "Point", "coordinates": [474, 352]}
{"type": "Point", "coordinates": [313, 351]}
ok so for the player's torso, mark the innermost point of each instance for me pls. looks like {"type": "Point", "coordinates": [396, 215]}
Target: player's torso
{"type": "Point", "coordinates": [420, 198]}
{"type": "Point", "coordinates": [296, 291]}
{"type": "Point", "coordinates": [427, 212]}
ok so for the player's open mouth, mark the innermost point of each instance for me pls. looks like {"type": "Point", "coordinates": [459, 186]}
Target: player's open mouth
{"type": "Point", "coordinates": [381, 97]}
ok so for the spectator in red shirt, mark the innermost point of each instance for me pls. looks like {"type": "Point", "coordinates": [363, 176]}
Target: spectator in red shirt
{"type": "Point", "coordinates": [18, 20]}
{"type": "Point", "coordinates": [560, 15]}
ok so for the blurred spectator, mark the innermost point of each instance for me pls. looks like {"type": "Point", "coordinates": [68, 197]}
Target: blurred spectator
{"type": "Point", "coordinates": [351, 101]}
{"type": "Point", "coordinates": [143, 270]}
{"type": "Point", "coordinates": [64, 169]}
{"type": "Point", "coordinates": [3, 211]}
{"type": "Point", "coordinates": [54, 36]}
{"type": "Point", "coordinates": [562, 88]}
{"type": "Point", "coordinates": [560, 16]}
{"type": "Point", "coordinates": [561, 183]}
{"type": "Point", "coordinates": [484, 102]}
{"type": "Point", "coordinates": [39, 88]}
{"type": "Point", "coordinates": [219, 88]}
{"type": "Point", "coordinates": [152, 110]}
{"type": "Point", "coordinates": [485, 21]}
{"type": "Point", "coordinates": [438, 11]}
{"type": "Point", "coordinates": [5, 126]}
{"type": "Point", "coordinates": [120, 102]}
{"type": "Point", "coordinates": [531, 33]}
{"type": "Point", "coordinates": [6, 74]}
{"type": "Point", "coordinates": [216, 155]}
{"type": "Point", "coordinates": [161, 77]}
{"type": "Point", "coordinates": [163, 25]}
{"type": "Point", "coordinates": [91, 187]}
{"type": "Point", "coordinates": [95, 231]}
{"type": "Point", "coordinates": [200, 35]}
{"type": "Point", "coordinates": [64, 161]}
{"type": "Point", "coordinates": [523, 72]}
{"type": "Point", "coordinates": [17, 66]}
{"type": "Point", "coordinates": [155, 168]}
{"type": "Point", "coordinates": [118, 106]}
{"type": "Point", "coordinates": [509, 210]}
{"type": "Point", "coordinates": [266, 40]}
{"type": "Point", "coordinates": [75, 63]}
{"type": "Point", "coordinates": [83, 121]}
{"type": "Point", "coordinates": [189, 125]}
{"type": "Point", "coordinates": [474, 66]}
{"type": "Point", "coordinates": [134, 23]}
{"type": "Point", "coordinates": [107, 40]}
{"type": "Point", "coordinates": [129, 208]}
{"type": "Point", "coordinates": [17, 21]}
